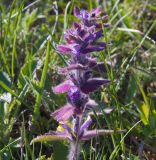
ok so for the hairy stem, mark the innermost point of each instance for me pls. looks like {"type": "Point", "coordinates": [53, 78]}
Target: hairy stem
{"type": "Point", "coordinates": [75, 145]}
{"type": "Point", "coordinates": [74, 151]}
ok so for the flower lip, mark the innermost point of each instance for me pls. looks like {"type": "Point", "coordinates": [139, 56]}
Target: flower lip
{"type": "Point", "coordinates": [85, 126]}
{"type": "Point", "coordinates": [64, 49]}
{"type": "Point", "coordinates": [64, 113]}
{"type": "Point", "coordinates": [63, 87]}
{"type": "Point", "coordinates": [93, 84]}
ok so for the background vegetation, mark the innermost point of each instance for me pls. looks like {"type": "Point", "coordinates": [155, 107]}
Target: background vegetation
{"type": "Point", "coordinates": [28, 70]}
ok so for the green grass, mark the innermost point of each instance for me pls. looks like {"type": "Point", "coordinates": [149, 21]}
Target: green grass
{"type": "Point", "coordinates": [29, 33]}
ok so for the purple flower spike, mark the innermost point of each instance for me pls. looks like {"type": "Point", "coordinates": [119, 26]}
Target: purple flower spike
{"type": "Point", "coordinates": [81, 40]}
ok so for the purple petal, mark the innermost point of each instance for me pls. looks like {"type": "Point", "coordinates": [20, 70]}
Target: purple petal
{"type": "Point", "coordinates": [76, 12]}
{"type": "Point", "coordinates": [76, 25]}
{"type": "Point", "coordinates": [96, 11]}
{"type": "Point", "coordinates": [89, 37]}
{"type": "Point", "coordinates": [99, 34]}
{"type": "Point", "coordinates": [88, 74]}
{"type": "Point", "coordinates": [72, 36]}
{"type": "Point", "coordinates": [67, 128]}
{"type": "Point", "coordinates": [93, 36]}
{"type": "Point", "coordinates": [74, 96]}
{"type": "Point", "coordinates": [105, 18]}
{"type": "Point", "coordinates": [91, 29]}
{"type": "Point", "coordinates": [91, 104]}
{"type": "Point", "coordinates": [71, 67]}
{"type": "Point", "coordinates": [64, 49]}
{"type": "Point", "coordinates": [92, 62]}
{"type": "Point", "coordinates": [96, 132]}
{"type": "Point", "coordinates": [84, 15]}
{"type": "Point", "coordinates": [93, 49]}
{"type": "Point", "coordinates": [101, 44]}
{"type": "Point", "coordinates": [106, 24]}
{"type": "Point", "coordinates": [85, 125]}
{"type": "Point", "coordinates": [89, 134]}
{"type": "Point", "coordinates": [64, 113]}
{"type": "Point", "coordinates": [100, 67]}
{"type": "Point", "coordinates": [99, 25]}
{"type": "Point", "coordinates": [93, 84]}
{"type": "Point", "coordinates": [63, 87]}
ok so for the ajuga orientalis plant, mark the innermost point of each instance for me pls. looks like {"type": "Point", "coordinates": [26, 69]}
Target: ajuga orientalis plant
{"type": "Point", "coordinates": [81, 41]}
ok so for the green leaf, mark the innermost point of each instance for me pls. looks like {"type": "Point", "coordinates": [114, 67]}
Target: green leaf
{"type": "Point", "coordinates": [60, 151]}
{"type": "Point", "coordinates": [132, 89]}
{"type": "Point", "coordinates": [4, 60]}
{"type": "Point", "coordinates": [144, 113]}
{"type": "Point", "coordinates": [144, 108]}
{"type": "Point", "coordinates": [5, 84]}
{"type": "Point", "coordinates": [4, 78]}
{"type": "Point", "coordinates": [26, 70]}
{"type": "Point", "coordinates": [29, 19]}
